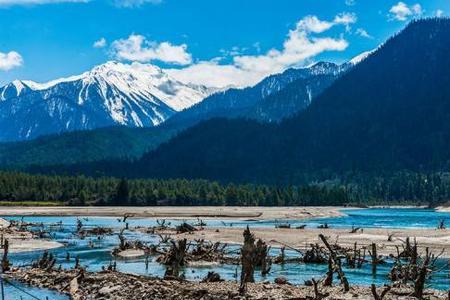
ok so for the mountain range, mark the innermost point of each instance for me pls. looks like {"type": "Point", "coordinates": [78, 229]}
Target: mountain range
{"type": "Point", "coordinates": [390, 112]}
{"type": "Point", "coordinates": [387, 111]}
{"type": "Point", "coordinates": [274, 98]}
{"type": "Point", "coordinates": [111, 94]}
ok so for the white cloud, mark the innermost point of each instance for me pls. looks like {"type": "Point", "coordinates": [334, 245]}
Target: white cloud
{"type": "Point", "coordinates": [137, 48]}
{"type": "Point", "coordinates": [10, 60]}
{"type": "Point", "coordinates": [439, 13]}
{"type": "Point", "coordinates": [300, 46]}
{"type": "Point", "coordinates": [37, 2]}
{"type": "Point", "coordinates": [350, 2]}
{"type": "Point", "coordinates": [101, 43]}
{"type": "Point", "coordinates": [401, 11]}
{"type": "Point", "coordinates": [134, 3]}
{"type": "Point", "coordinates": [363, 33]}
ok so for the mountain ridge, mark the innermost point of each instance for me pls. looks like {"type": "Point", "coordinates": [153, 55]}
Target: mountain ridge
{"type": "Point", "coordinates": [111, 94]}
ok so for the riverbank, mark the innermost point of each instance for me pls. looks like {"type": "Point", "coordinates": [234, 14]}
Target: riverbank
{"type": "Point", "coordinates": [115, 285]}
{"type": "Point", "coordinates": [176, 212]}
{"type": "Point", "coordinates": [443, 208]}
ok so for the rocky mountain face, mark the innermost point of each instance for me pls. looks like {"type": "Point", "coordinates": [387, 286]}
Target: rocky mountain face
{"type": "Point", "coordinates": [260, 102]}
{"type": "Point", "coordinates": [111, 94]}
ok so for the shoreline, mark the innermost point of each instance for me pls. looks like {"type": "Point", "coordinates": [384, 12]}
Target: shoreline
{"type": "Point", "coordinates": [115, 285]}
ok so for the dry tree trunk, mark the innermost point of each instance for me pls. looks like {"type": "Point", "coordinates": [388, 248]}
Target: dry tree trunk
{"type": "Point", "coordinates": [383, 293]}
{"type": "Point", "coordinates": [317, 294]}
{"type": "Point", "coordinates": [262, 257]}
{"type": "Point", "coordinates": [248, 260]}
{"type": "Point", "coordinates": [419, 283]}
{"type": "Point", "coordinates": [337, 264]}
{"type": "Point", "coordinates": [329, 278]}
{"type": "Point", "coordinates": [374, 259]}
{"type": "Point", "coordinates": [5, 261]}
{"type": "Point", "coordinates": [175, 259]}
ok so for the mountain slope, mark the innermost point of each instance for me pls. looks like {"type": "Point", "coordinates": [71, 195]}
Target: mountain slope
{"type": "Point", "coordinates": [283, 94]}
{"type": "Point", "coordinates": [83, 146]}
{"type": "Point", "coordinates": [389, 112]}
{"type": "Point", "coordinates": [256, 102]}
{"type": "Point", "coordinates": [133, 95]}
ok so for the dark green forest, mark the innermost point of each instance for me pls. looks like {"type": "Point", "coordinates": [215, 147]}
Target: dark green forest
{"type": "Point", "coordinates": [401, 188]}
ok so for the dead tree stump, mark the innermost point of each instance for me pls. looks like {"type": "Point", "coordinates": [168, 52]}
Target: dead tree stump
{"type": "Point", "coordinates": [5, 261]}
{"type": "Point", "coordinates": [329, 277]}
{"type": "Point", "coordinates": [419, 283]}
{"type": "Point", "coordinates": [248, 260]}
{"type": "Point", "coordinates": [175, 259]}
{"type": "Point", "coordinates": [383, 293]}
{"type": "Point", "coordinates": [262, 257]}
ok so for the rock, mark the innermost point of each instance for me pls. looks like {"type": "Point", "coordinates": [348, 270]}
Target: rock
{"type": "Point", "coordinates": [212, 277]}
{"type": "Point", "coordinates": [281, 280]}
{"type": "Point", "coordinates": [131, 254]}
{"type": "Point", "coordinates": [107, 290]}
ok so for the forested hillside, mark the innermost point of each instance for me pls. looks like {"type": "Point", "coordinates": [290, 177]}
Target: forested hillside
{"type": "Point", "coordinates": [388, 113]}
{"type": "Point", "coordinates": [83, 146]}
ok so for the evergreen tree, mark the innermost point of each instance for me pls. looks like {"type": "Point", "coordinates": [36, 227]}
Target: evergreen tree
{"type": "Point", "coordinates": [122, 194]}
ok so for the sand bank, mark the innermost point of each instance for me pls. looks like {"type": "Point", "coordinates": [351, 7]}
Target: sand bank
{"type": "Point", "coordinates": [22, 241]}
{"type": "Point", "coordinates": [257, 213]}
{"type": "Point", "coordinates": [443, 208]}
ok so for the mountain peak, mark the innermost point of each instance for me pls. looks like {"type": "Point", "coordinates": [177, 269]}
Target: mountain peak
{"type": "Point", "coordinates": [360, 57]}
{"type": "Point", "coordinates": [114, 93]}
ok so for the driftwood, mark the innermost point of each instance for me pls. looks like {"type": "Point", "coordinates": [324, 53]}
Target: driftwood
{"type": "Point", "coordinates": [280, 259]}
{"type": "Point", "coordinates": [355, 229]}
{"type": "Point", "coordinates": [283, 225]}
{"type": "Point", "coordinates": [185, 227]}
{"type": "Point", "coordinates": [316, 255]}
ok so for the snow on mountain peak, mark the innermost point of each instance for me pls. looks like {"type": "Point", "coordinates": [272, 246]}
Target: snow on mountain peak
{"type": "Point", "coordinates": [359, 58]}
{"type": "Point", "coordinates": [136, 95]}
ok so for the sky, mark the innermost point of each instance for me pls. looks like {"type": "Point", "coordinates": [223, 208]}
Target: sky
{"type": "Point", "coordinates": [212, 42]}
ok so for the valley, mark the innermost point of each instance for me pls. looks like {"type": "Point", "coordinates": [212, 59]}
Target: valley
{"type": "Point", "coordinates": [195, 168]}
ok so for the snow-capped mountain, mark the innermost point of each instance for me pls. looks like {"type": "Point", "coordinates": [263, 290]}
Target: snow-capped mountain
{"type": "Point", "coordinates": [257, 102]}
{"type": "Point", "coordinates": [134, 95]}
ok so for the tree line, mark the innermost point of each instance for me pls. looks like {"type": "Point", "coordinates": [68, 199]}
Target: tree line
{"type": "Point", "coordinates": [81, 190]}
{"type": "Point", "coordinates": [352, 189]}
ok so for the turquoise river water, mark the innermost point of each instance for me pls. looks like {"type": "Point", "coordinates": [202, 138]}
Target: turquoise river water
{"type": "Point", "coordinates": [100, 255]}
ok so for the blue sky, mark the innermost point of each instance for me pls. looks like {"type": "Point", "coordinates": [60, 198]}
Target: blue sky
{"type": "Point", "coordinates": [214, 42]}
